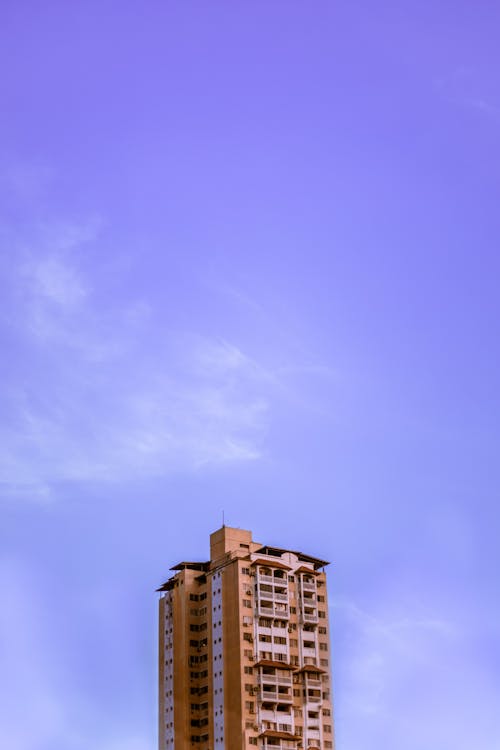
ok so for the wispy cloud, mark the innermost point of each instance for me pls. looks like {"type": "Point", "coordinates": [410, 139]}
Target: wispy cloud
{"type": "Point", "coordinates": [94, 403]}
{"type": "Point", "coordinates": [55, 281]}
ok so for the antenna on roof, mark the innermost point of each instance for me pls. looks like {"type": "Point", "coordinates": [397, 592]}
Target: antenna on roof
{"type": "Point", "coordinates": [223, 519]}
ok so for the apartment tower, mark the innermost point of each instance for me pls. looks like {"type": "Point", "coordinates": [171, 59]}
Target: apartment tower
{"type": "Point", "coordinates": [244, 653]}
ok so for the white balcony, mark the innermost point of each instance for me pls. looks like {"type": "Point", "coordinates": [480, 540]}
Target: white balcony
{"type": "Point", "coordinates": [278, 612]}
{"type": "Point", "coordinates": [313, 681]}
{"type": "Point", "coordinates": [269, 697]}
{"type": "Point", "coordinates": [274, 696]}
{"type": "Point", "coordinates": [310, 617]}
{"type": "Point", "coordinates": [265, 579]}
{"type": "Point", "coordinates": [309, 601]}
{"type": "Point", "coordinates": [313, 733]}
{"type": "Point", "coordinates": [280, 597]}
{"type": "Point", "coordinates": [308, 586]}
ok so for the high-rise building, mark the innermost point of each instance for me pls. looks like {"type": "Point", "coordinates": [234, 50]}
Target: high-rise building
{"type": "Point", "coordinates": [244, 654]}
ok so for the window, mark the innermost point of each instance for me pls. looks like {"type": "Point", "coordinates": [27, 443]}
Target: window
{"type": "Point", "coordinates": [323, 646]}
{"type": "Point", "coordinates": [323, 662]}
{"type": "Point", "coordinates": [293, 610]}
{"type": "Point", "coordinates": [247, 603]}
{"type": "Point", "coordinates": [321, 598]}
{"type": "Point", "coordinates": [327, 728]}
{"type": "Point", "coordinates": [250, 706]}
{"type": "Point", "coordinates": [322, 614]}
{"type": "Point", "coordinates": [293, 643]}
{"type": "Point", "coordinates": [321, 630]}
{"type": "Point", "coordinates": [248, 670]}
{"type": "Point", "coordinates": [245, 571]}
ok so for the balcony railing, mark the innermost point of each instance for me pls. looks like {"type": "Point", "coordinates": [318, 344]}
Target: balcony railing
{"type": "Point", "coordinates": [309, 601]}
{"type": "Point", "coordinates": [281, 597]}
{"type": "Point", "coordinates": [266, 695]}
{"type": "Point", "coordinates": [313, 681]}
{"type": "Point", "coordinates": [263, 610]}
{"type": "Point", "coordinates": [308, 586]}
{"type": "Point", "coordinates": [274, 696]}
{"type": "Point", "coordinates": [310, 618]}
{"type": "Point", "coordinates": [265, 579]}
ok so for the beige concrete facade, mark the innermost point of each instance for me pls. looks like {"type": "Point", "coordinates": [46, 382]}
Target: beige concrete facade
{"type": "Point", "coordinates": [244, 653]}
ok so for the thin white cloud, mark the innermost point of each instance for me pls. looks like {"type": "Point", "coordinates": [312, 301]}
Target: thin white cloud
{"type": "Point", "coordinates": [100, 406]}
{"type": "Point", "coordinates": [106, 391]}
{"type": "Point", "coordinates": [56, 281]}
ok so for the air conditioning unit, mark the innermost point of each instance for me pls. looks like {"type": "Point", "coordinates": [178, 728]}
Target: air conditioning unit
{"type": "Point", "coordinates": [252, 657]}
{"type": "Point", "coordinates": [249, 592]}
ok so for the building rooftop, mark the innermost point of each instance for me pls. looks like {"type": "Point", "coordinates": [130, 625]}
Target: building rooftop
{"type": "Point", "coordinates": [278, 551]}
{"type": "Point", "coordinates": [203, 566]}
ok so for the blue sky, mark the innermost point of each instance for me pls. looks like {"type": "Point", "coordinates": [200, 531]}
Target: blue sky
{"type": "Point", "coordinates": [249, 261]}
